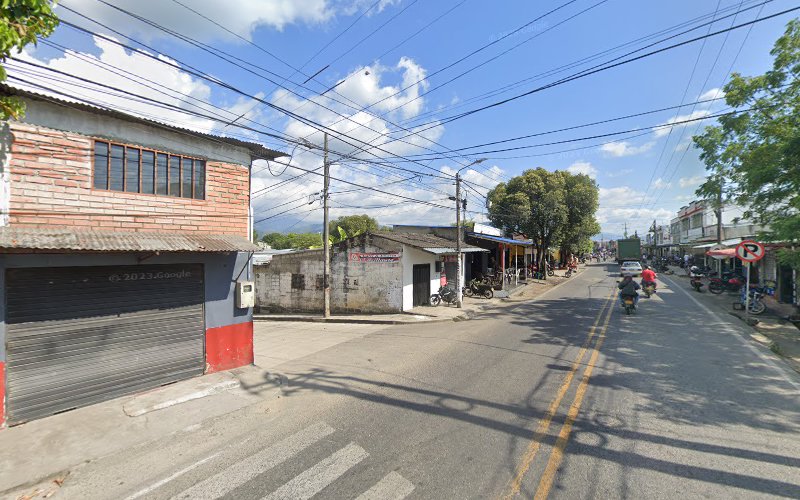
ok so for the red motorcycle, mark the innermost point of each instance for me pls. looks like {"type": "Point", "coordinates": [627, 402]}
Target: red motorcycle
{"type": "Point", "coordinates": [729, 283]}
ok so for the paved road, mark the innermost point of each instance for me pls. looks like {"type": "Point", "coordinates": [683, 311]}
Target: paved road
{"type": "Point", "coordinates": [563, 397]}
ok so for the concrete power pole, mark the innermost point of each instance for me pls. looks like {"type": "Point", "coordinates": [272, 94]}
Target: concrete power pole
{"type": "Point", "coordinates": [718, 213]}
{"type": "Point", "coordinates": [326, 282]}
{"type": "Point", "coordinates": [459, 296]}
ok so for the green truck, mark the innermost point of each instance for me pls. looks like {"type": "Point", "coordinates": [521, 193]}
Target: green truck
{"type": "Point", "coordinates": [629, 249]}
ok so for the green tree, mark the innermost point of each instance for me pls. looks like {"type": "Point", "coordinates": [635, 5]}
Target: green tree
{"type": "Point", "coordinates": [351, 225]}
{"type": "Point", "coordinates": [271, 238]}
{"type": "Point", "coordinates": [298, 241]}
{"type": "Point", "coordinates": [21, 22]}
{"type": "Point", "coordinates": [533, 204]}
{"type": "Point", "coordinates": [582, 199]}
{"type": "Point", "coordinates": [757, 151]}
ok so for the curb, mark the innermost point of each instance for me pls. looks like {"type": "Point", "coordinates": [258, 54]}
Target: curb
{"type": "Point", "coordinates": [358, 321]}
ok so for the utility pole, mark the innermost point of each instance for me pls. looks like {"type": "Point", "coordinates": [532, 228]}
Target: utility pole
{"type": "Point", "coordinates": [326, 282]}
{"type": "Point", "coordinates": [718, 213]}
{"type": "Point", "coordinates": [459, 202]}
{"type": "Point", "coordinates": [459, 292]}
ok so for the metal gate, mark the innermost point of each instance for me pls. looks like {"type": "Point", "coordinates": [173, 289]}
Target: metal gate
{"type": "Point", "coordinates": [421, 284]}
{"type": "Point", "coordinates": [80, 335]}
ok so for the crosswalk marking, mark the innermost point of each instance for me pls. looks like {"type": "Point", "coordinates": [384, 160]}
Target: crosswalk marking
{"type": "Point", "coordinates": [392, 487]}
{"type": "Point", "coordinates": [307, 484]}
{"type": "Point", "coordinates": [241, 472]}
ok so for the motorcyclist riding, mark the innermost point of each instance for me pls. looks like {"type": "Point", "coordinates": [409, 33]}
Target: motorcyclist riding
{"type": "Point", "coordinates": [628, 288]}
{"type": "Point", "coordinates": [648, 277]}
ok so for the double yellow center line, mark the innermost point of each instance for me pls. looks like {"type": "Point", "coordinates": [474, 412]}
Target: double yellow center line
{"type": "Point", "coordinates": [557, 455]}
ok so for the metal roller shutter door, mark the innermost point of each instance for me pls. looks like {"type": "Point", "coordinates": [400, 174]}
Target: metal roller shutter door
{"type": "Point", "coordinates": [80, 335]}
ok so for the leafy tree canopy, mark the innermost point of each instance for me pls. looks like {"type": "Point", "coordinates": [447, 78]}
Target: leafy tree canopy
{"type": "Point", "coordinates": [552, 208]}
{"type": "Point", "coordinates": [297, 241]}
{"type": "Point", "coordinates": [21, 22]}
{"type": "Point", "coordinates": [753, 156]}
{"type": "Point", "coordinates": [348, 226]}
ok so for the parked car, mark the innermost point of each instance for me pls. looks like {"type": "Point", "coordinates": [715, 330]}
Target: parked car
{"type": "Point", "coordinates": [631, 267]}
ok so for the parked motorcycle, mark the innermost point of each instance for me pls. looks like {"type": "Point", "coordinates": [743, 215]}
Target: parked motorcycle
{"type": "Point", "coordinates": [729, 282]}
{"type": "Point", "coordinates": [446, 294]}
{"type": "Point", "coordinates": [478, 288]}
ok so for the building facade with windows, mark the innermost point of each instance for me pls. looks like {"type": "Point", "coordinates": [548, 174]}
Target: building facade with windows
{"type": "Point", "coordinates": [123, 245]}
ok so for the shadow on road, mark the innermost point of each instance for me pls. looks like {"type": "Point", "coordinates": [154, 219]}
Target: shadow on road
{"type": "Point", "coordinates": [671, 359]}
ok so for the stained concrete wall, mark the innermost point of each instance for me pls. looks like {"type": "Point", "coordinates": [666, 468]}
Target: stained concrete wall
{"type": "Point", "coordinates": [273, 282]}
{"type": "Point", "coordinates": [372, 287]}
{"type": "Point", "coordinates": [367, 287]}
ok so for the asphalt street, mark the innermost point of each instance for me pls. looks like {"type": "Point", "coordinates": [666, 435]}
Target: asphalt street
{"type": "Point", "coordinates": [561, 397]}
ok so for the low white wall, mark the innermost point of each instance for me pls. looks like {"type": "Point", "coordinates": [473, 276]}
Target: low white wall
{"type": "Point", "coordinates": [411, 257]}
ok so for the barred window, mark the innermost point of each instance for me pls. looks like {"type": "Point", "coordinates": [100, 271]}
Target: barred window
{"type": "Point", "coordinates": [131, 169]}
{"type": "Point", "coordinates": [298, 281]}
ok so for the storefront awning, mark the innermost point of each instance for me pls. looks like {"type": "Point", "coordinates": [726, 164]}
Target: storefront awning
{"type": "Point", "coordinates": [26, 238]}
{"type": "Point", "coordinates": [498, 239]}
{"type": "Point", "coordinates": [722, 253]}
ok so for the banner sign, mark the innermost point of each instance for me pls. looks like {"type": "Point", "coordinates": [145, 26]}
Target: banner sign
{"type": "Point", "coordinates": [374, 257]}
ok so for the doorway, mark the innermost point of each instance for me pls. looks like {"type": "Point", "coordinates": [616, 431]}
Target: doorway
{"type": "Point", "coordinates": [422, 284]}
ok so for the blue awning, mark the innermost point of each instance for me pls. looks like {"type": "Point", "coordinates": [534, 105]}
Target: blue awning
{"type": "Point", "coordinates": [498, 239]}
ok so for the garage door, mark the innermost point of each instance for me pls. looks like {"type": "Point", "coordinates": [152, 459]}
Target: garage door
{"type": "Point", "coordinates": [80, 335]}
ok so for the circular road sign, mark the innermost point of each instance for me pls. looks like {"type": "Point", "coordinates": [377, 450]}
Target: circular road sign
{"type": "Point", "coordinates": [750, 251]}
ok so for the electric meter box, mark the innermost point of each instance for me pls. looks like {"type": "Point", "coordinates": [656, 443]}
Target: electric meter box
{"type": "Point", "coordinates": [245, 294]}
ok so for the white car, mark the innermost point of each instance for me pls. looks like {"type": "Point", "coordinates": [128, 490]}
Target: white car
{"type": "Point", "coordinates": [631, 267]}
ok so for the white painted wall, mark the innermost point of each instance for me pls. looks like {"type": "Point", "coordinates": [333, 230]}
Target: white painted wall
{"type": "Point", "coordinates": [5, 173]}
{"type": "Point", "coordinates": [412, 256]}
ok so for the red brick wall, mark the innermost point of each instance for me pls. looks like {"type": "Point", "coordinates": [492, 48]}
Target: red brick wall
{"type": "Point", "coordinates": [51, 186]}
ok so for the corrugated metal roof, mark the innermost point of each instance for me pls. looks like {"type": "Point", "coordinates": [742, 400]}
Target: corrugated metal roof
{"type": "Point", "coordinates": [258, 151]}
{"type": "Point", "coordinates": [524, 243]}
{"type": "Point", "coordinates": [427, 242]}
{"type": "Point", "coordinates": [25, 238]}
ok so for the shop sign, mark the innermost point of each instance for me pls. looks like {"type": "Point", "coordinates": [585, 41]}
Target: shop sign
{"type": "Point", "coordinates": [374, 257]}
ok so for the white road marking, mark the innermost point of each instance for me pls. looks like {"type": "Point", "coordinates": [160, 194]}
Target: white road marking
{"type": "Point", "coordinates": [164, 481]}
{"type": "Point", "coordinates": [392, 487]}
{"type": "Point", "coordinates": [307, 484]}
{"type": "Point", "coordinates": [729, 327]}
{"type": "Point", "coordinates": [245, 470]}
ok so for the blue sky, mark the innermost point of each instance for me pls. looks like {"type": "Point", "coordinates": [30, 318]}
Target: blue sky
{"type": "Point", "coordinates": [641, 178]}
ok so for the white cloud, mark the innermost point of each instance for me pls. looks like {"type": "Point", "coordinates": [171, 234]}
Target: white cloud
{"type": "Point", "coordinates": [712, 94]}
{"type": "Point", "coordinates": [664, 130]}
{"type": "Point", "coordinates": [177, 85]}
{"type": "Point", "coordinates": [620, 173]}
{"type": "Point", "coordinates": [365, 86]}
{"type": "Point", "coordinates": [625, 148]}
{"type": "Point", "coordinates": [624, 205]}
{"type": "Point", "coordinates": [583, 167]}
{"type": "Point", "coordinates": [691, 182]}
{"type": "Point", "coordinates": [684, 198]}
{"type": "Point", "coordinates": [242, 17]}
{"type": "Point", "coordinates": [662, 184]}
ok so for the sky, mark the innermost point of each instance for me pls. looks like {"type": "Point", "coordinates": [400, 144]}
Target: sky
{"type": "Point", "coordinates": [393, 82]}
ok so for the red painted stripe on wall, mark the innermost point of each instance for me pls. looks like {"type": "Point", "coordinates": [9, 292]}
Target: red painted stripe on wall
{"type": "Point", "coordinates": [229, 347]}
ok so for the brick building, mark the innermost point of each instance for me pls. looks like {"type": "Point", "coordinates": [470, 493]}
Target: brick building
{"type": "Point", "coordinates": [123, 243]}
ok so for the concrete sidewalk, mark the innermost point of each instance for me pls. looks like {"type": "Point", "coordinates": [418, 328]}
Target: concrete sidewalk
{"type": "Point", "coordinates": [46, 449]}
{"type": "Point", "coordinates": [422, 314]}
{"type": "Point", "coordinates": [779, 335]}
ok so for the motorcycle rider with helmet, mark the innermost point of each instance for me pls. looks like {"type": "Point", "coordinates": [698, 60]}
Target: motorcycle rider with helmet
{"type": "Point", "coordinates": [628, 288]}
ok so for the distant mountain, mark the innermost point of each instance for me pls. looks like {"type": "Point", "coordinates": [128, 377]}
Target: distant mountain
{"type": "Point", "coordinates": [290, 225]}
